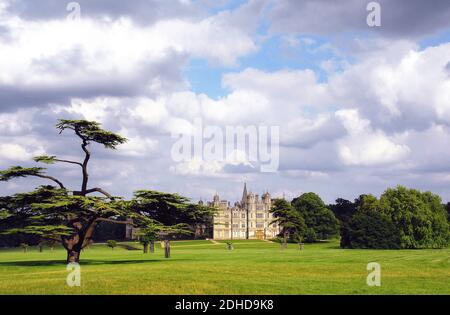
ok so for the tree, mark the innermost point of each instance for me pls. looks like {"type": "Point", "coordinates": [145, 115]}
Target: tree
{"type": "Point", "coordinates": [343, 209]}
{"type": "Point", "coordinates": [147, 237]}
{"type": "Point", "coordinates": [291, 222]}
{"type": "Point", "coordinates": [172, 210]}
{"type": "Point", "coordinates": [24, 247]}
{"type": "Point", "coordinates": [41, 246]}
{"type": "Point", "coordinates": [419, 216]}
{"type": "Point", "coordinates": [71, 216]}
{"type": "Point", "coordinates": [320, 221]}
{"type": "Point", "coordinates": [401, 218]}
{"type": "Point", "coordinates": [370, 230]}
{"type": "Point", "coordinates": [447, 206]}
{"type": "Point", "coordinates": [111, 243]}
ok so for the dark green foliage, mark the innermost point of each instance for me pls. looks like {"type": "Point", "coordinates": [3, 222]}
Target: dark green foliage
{"type": "Point", "coordinates": [343, 209]}
{"type": "Point", "coordinates": [108, 231]}
{"type": "Point", "coordinates": [18, 171]}
{"type": "Point", "coordinates": [447, 207]}
{"type": "Point", "coordinates": [171, 210]}
{"type": "Point", "coordinates": [310, 235]}
{"type": "Point", "coordinates": [370, 230]}
{"type": "Point", "coordinates": [45, 159]}
{"type": "Point", "coordinates": [148, 236]}
{"type": "Point", "coordinates": [292, 225]}
{"type": "Point", "coordinates": [419, 216]}
{"type": "Point", "coordinates": [320, 221]}
{"type": "Point", "coordinates": [91, 131]}
{"type": "Point", "coordinates": [401, 218]}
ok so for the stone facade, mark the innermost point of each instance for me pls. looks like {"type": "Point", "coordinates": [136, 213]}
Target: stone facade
{"type": "Point", "coordinates": [248, 219]}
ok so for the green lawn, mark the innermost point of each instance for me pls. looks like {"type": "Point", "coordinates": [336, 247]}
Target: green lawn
{"type": "Point", "coordinates": [202, 267]}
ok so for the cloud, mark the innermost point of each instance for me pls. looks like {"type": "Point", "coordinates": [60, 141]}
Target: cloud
{"type": "Point", "coordinates": [365, 146]}
{"type": "Point", "coordinates": [52, 61]}
{"type": "Point", "coordinates": [13, 152]}
{"type": "Point", "coordinates": [399, 19]}
{"type": "Point", "coordinates": [411, 93]}
{"type": "Point", "coordinates": [145, 12]}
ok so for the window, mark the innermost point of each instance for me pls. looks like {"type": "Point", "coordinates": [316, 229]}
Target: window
{"type": "Point", "coordinates": [260, 215]}
{"type": "Point", "coordinates": [243, 216]}
{"type": "Point", "coordinates": [235, 226]}
{"type": "Point", "coordinates": [243, 225]}
{"type": "Point", "coordinates": [259, 225]}
{"type": "Point", "coordinates": [227, 225]}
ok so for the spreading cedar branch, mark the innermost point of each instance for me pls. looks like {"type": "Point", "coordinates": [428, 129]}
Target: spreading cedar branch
{"type": "Point", "coordinates": [71, 216]}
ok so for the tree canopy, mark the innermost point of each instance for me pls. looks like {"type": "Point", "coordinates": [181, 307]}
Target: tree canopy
{"type": "Point", "coordinates": [292, 224]}
{"type": "Point", "coordinates": [401, 218]}
{"type": "Point", "coordinates": [320, 221]}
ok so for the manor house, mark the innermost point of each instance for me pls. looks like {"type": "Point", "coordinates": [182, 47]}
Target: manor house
{"type": "Point", "coordinates": [248, 219]}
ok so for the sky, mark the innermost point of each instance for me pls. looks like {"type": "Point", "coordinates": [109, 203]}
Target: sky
{"type": "Point", "coordinates": [359, 108]}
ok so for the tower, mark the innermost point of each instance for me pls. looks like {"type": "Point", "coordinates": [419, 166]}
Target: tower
{"type": "Point", "coordinates": [216, 200]}
{"type": "Point", "coordinates": [244, 195]}
{"type": "Point", "coordinates": [244, 205]}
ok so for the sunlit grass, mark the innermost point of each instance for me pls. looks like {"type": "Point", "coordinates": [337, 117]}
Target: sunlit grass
{"type": "Point", "coordinates": [203, 267]}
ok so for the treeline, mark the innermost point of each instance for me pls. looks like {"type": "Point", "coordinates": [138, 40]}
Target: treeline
{"type": "Point", "coordinates": [401, 218]}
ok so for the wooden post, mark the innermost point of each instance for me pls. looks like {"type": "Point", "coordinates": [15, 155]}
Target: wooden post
{"type": "Point", "coordinates": [167, 248]}
{"type": "Point", "coordinates": [152, 247]}
{"type": "Point", "coordinates": [284, 244]}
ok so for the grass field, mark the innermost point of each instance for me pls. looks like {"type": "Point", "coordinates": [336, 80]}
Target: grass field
{"type": "Point", "coordinates": [203, 267]}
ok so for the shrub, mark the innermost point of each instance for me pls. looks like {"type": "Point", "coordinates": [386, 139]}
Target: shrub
{"type": "Point", "coordinates": [111, 243]}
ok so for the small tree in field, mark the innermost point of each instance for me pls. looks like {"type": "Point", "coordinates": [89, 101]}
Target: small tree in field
{"type": "Point", "coordinates": [290, 221]}
{"type": "Point", "coordinates": [111, 243]}
{"type": "Point", "coordinates": [70, 216]}
{"type": "Point", "coordinates": [24, 247]}
{"type": "Point", "coordinates": [41, 246]}
{"type": "Point", "coordinates": [148, 237]}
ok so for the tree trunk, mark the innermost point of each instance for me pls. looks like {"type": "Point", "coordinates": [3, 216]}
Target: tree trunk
{"type": "Point", "coordinates": [40, 248]}
{"type": "Point", "coordinates": [284, 246]}
{"type": "Point", "coordinates": [167, 248]}
{"type": "Point", "coordinates": [145, 248]}
{"type": "Point", "coordinates": [152, 247]}
{"type": "Point", "coordinates": [73, 256]}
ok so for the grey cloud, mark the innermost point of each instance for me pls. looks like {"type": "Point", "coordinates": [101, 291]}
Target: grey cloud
{"type": "Point", "coordinates": [168, 71]}
{"type": "Point", "coordinates": [399, 19]}
{"type": "Point", "coordinates": [142, 11]}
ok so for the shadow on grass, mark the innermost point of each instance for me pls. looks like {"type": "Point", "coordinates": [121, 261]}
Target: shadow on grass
{"type": "Point", "coordinates": [83, 262]}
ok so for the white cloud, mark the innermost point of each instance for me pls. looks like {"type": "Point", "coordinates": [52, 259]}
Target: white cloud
{"type": "Point", "coordinates": [74, 56]}
{"type": "Point", "coordinates": [17, 152]}
{"type": "Point", "coordinates": [410, 93]}
{"type": "Point", "coordinates": [365, 146]}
